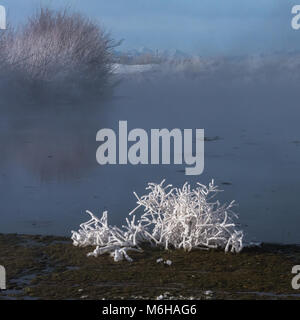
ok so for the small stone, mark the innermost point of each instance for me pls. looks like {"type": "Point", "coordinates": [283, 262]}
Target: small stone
{"type": "Point", "coordinates": [168, 262]}
{"type": "Point", "coordinates": [208, 292]}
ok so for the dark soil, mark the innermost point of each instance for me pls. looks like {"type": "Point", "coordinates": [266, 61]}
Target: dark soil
{"type": "Point", "coordinates": [46, 267]}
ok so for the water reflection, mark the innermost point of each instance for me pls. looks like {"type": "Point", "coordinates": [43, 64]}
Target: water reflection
{"type": "Point", "coordinates": [49, 175]}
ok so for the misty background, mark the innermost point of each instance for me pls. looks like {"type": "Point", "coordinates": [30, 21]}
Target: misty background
{"type": "Point", "coordinates": [206, 27]}
{"type": "Point", "coordinates": [247, 103]}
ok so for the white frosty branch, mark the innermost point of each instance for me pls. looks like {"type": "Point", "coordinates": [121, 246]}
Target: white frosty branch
{"type": "Point", "coordinates": [172, 218]}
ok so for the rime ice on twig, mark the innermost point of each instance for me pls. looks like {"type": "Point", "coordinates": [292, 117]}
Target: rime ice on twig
{"type": "Point", "coordinates": [107, 239]}
{"type": "Point", "coordinates": [172, 218]}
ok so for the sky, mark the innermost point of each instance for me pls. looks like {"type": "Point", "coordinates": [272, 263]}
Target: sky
{"type": "Point", "coordinates": [204, 27]}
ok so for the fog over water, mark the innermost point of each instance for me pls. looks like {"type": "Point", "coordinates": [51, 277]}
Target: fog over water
{"type": "Point", "coordinates": [249, 110]}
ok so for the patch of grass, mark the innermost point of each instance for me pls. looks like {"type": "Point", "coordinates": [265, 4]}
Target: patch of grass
{"type": "Point", "coordinates": [64, 272]}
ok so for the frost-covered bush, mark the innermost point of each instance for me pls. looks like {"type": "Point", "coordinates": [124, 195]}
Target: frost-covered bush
{"type": "Point", "coordinates": [59, 49]}
{"type": "Point", "coordinates": [171, 218]}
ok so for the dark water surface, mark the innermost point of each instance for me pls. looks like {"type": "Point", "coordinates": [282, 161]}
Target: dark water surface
{"type": "Point", "coordinates": [49, 175]}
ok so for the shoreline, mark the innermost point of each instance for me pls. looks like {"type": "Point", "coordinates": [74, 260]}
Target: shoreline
{"type": "Point", "coordinates": [50, 267]}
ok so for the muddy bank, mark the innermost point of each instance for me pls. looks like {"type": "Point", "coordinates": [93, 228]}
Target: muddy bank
{"type": "Point", "coordinates": [45, 267]}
